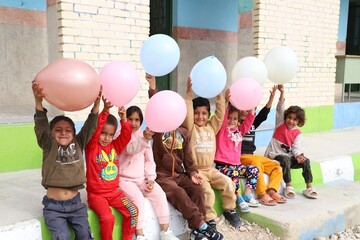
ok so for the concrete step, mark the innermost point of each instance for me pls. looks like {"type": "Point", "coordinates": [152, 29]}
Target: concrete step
{"type": "Point", "coordinates": [337, 208]}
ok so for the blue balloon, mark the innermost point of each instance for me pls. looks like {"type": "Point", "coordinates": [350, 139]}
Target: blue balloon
{"type": "Point", "coordinates": [159, 55]}
{"type": "Point", "coordinates": [208, 77]}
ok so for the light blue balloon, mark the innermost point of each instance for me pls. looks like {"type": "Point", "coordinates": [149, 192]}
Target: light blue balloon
{"type": "Point", "coordinates": [159, 55]}
{"type": "Point", "coordinates": [208, 77]}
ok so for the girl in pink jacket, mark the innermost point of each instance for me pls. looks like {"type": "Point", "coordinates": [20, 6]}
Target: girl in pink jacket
{"type": "Point", "coordinates": [228, 151]}
{"type": "Point", "coordinates": [137, 176]}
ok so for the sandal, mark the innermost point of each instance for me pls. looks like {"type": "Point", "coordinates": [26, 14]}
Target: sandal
{"type": "Point", "coordinates": [251, 200]}
{"type": "Point", "coordinates": [244, 207]}
{"type": "Point", "coordinates": [267, 200]}
{"type": "Point", "coordinates": [310, 193]}
{"type": "Point", "coordinates": [290, 192]}
{"type": "Point", "coordinates": [278, 198]}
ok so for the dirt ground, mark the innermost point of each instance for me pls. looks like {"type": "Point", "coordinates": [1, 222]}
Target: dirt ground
{"type": "Point", "coordinates": [252, 231]}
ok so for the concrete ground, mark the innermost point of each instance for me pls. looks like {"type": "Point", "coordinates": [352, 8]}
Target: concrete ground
{"type": "Point", "coordinates": [338, 205]}
{"type": "Point", "coordinates": [337, 208]}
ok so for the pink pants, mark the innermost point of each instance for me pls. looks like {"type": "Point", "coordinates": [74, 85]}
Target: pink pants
{"type": "Point", "coordinates": [136, 193]}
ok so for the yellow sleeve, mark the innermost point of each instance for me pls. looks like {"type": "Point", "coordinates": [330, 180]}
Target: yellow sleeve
{"type": "Point", "coordinates": [218, 118]}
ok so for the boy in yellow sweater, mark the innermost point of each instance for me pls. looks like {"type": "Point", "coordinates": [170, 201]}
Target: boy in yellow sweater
{"type": "Point", "coordinates": [203, 143]}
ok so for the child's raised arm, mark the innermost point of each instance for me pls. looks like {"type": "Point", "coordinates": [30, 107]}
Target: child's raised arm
{"type": "Point", "coordinates": [107, 105]}
{"type": "Point", "coordinates": [188, 87]}
{"type": "Point", "coordinates": [38, 95]}
{"type": "Point", "coordinates": [271, 97]}
{"type": "Point", "coordinates": [151, 80]}
{"type": "Point", "coordinates": [282, 92]}
{"type": "Point", "coordinates": [122, 114]}
{"type": "Point", "coordinates": [227, 97]}
{"type": "Point", "coordinates": [96, 106]}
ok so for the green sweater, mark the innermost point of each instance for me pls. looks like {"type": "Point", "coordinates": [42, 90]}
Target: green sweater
{"type": "Point", "coordinates": [63, 168]}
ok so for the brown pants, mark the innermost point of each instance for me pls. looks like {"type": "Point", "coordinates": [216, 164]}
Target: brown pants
{"type": "Point", "coordinates": [185, 196]}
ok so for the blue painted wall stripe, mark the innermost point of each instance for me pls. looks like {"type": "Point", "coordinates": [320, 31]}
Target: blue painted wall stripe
{"type": "Point", "coordinates": [343, 19]}
{"type": "Point", "coordinates": [39, 5]}
{"type": "Point", "coordinates": [245, 6]}
{"type": "Point", "coordinates": [207, 14]}
{"type": "Point", "coordinates": [346, 115]}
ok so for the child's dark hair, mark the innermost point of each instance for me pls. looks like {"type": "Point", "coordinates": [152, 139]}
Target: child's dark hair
{"type": "Point", "coordinates": [111, 120]}
{"type": "Point", "coordinates": [234, 109]}
{"type": "Point", "coordinates": [135, 109]}
{"type": "Point", "coordinates": [59, 118]}
{"type": "Point", "coordinates": [201, 102]}
{"type": "Point", "coordinates": [299, 112]}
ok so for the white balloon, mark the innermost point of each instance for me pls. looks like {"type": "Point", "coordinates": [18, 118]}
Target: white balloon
{"type": "Point", "coordinates": [282, 64]}
{"type": "Point", "coordinates": [250, 67]}
{"type": "Point", "coordinates": [159, 55]}
{"type": "Point", "coordinates": [208, 77]}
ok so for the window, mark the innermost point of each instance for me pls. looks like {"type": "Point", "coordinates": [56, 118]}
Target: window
{"type": "Point", "coordinates": [353, 29]}
{"type": "Point", "coordinates": [161, 22]}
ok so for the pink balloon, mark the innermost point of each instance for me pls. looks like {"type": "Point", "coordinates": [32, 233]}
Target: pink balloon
{"type": "Point", "coordinates": [165, 111]}
{"type": "Point", "coordinates": [120, 81]}
{"type": "Point", "coordinates": [69, 84]}
{"type": "Point", "coordinates": [246, 93]}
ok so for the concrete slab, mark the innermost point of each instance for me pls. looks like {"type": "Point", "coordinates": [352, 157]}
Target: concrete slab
{"type": "Point", "coordinates": [337, 208]}
{"type": "Point", "coordinates": [21, 195]}
{"type": "Point", "coordinates": [322, 145]}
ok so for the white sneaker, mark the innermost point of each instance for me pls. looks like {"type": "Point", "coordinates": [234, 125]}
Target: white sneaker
{"type": "Point", "coordinates": [168, 235]}
{"type": "Point", "coordinates": [141, 237]}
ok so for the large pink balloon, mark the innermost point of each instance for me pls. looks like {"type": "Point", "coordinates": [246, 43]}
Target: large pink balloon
{"type": "Point", "coordinates": [69, 84]}
{"type": "Point", "coordinates": [165, 111]}
{"type": "Point", "coordinates": [245, 93]}
{"type": "Point", "coordinates": [120, 81]}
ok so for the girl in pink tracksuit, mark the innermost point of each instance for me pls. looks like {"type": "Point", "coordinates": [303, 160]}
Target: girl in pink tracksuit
{"type": "Point", "coordinates": [137, 176]}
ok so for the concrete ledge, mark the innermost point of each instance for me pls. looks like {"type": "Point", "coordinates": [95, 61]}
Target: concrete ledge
{"type": "Point", "coordinates": [151, 225]}
{"type": "Point", "coordinates": [337, 208]}
{"type": "Point", "coordinates": [30, 230]}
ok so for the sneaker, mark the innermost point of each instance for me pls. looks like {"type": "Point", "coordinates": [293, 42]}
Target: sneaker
{"type": "Point", "coordinates": [212, 223]}
{"type": "Point", "coordinates": [233, 218]}
{"type": "Point", "coordinates": [196, 234]}
{"type": "Point", "coordinates": [168, 235]}
{"type": "Point", "coordinates": [244, 207]}
{"type": "Point", "coordinates": [141, 237]}
{"type": "Point", "coordinates": [212, 234]}
{"type": "Point", "coordinates": [251, 200]}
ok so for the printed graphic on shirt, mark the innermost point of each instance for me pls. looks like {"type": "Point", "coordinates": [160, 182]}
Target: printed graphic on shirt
{"type": "Point", "coordinates": [249, 136]}
{"type": "Point", "coordinates": [235, 136]}
{"type": "Point", "coordinates": [110, 171]}
{"type": "Point", "coordinates": [204, 142]}
{"type": "Point", "coordinates": [168, 141]}
{"type": "Point", "coordinates": [68, 155]}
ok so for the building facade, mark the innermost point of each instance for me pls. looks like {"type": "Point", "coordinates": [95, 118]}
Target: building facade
{"type": "Point", "coordinates": [35, 33]}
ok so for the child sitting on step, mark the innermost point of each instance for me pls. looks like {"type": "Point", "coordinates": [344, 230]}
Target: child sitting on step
{"type": "Point", "coordinates": [102, 172]}
{"type": "Point", "coordinates": [179, 178]}
{"type": "Point", "coordinates": [137, 176]}
{"type": "Point", "coordinates": [203, 130]}
{"type": "Point", "coordinates": [228, 151]}
{"type": "Point", "coordinates": [63, 173]}
{"type": "Point", "coordinates": [285, 146]}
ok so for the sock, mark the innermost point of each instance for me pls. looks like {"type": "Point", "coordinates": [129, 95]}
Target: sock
{"type": "Point", "coordinates": [203, 227]}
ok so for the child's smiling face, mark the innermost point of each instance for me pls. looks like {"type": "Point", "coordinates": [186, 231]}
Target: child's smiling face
{"type": "Point", "coordinates": [201, 116]}
{"type": "Point", "coordinates": [233, 119]}
{"type": "Point", "coordinates": [291, 121]}
{"type": "Point", "coordinates": [63, 133]}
